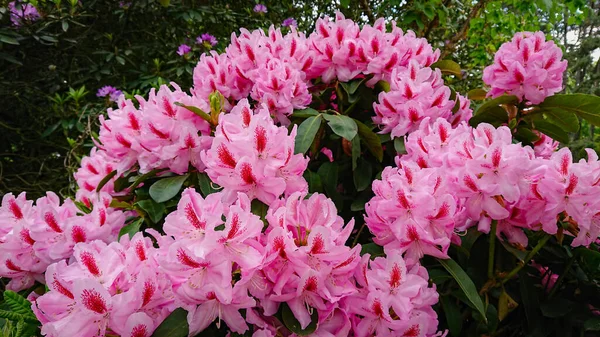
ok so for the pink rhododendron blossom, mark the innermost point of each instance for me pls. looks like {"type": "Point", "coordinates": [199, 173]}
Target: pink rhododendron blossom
{"type": "Point", "coordinates": [158, 134]}
{"type": "Point", "coordinates": [528, 67]}
{"type": "Point", "coordinates": [486, 178]}
{"type": "Point", "coordinates": [250, 154]}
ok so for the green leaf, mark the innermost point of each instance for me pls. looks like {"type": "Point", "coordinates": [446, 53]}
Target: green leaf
{"type": "Point", "coordinates": [18, 304]}
{"type": "Point", "coordinates": [373, 249]}
{"type": "Point", "coordinates": [259, 208]}
{"type": "Point", "coordinates": [556, 307]}
{"type": "Point", "coordinates": [305, 113]}
{"type": "Point", "coordinates": [9, 39]}
{"type": "Point", "coordinates": [105, 180]}
{"type": "Point", "coordinates": [355, 151]}
{"type": "Point", "coordinates": [175, 325]}
{"type": "Point", "coordinates": [477, 94]}
{"type": "Point", "coordinates": [592, 324]}
{"type": "Point", "coordinates": [329, 176]}
{"type": "Point", "coordinates": [306, 133]}
{"type": "Point", "coordinates": [290, 321]}
{"type": "Point", "coordinates": [197, 111]}
{"type": "Point", "coordinates": [167, 188]}
{"type": "Point", "coordinates": [585, 106]}
{"type": "Point", "coordinates": [494, 115]}
{"type": "Point", "coordinates": [145, 176]}
{"type": "Point", "coordinates": [314, 182]}
{"type": "Point", "coordinates": [399, 145]}
{"type": "Point", "coordinates": [154, 210]}
{"type": "Point", "coordinates": [165, 3]}
{"type": "Point", "coordinates": [344, 3]}
{"type": "Point", "coordinates": [131, 228]}
{"type": "Point", "coordinates": [525, 135]}
{"type": "Point", "coordinates": [362, 175]}
{"type": "Point", "coordinates": [448, 67]}
{"type": "Point", "coordinates": [568, 121]}
{"type": "Point", "coordinates": [465, 283]}
{"type": "Point", "coordinates": [453, 315]}
{"type": "Point", "coordinates": [371, 139]}
{"type": "Point", "coordinates": [205, 184]}
{"type": "Point", "coordinates": [352, 86]}
{"type": "Point", "coordinates": [342, 126]}
{"type": "Point", "coordinates": [493, 103]}
{"type": "Point", "coordinates": [554, 131]}
{"type": "Point", "coordinates": [65, 26]}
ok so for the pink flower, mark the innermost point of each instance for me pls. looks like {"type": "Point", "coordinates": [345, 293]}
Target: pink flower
{"type": "Point", "coordinates": [528, 67]}
{"type": "Point", "coordinates": [327, 152]}
{"type": "Point", "coordinates": [290, 22]}
{"type": "Point", "coordinates": [250, 154]}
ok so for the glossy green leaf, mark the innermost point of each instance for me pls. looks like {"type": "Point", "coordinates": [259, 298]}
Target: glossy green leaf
{"type": "Point", "coordinates": [175, 325]}
{"type": "Point", "coordinates": [342, 126]}
{"type": "Point", "coordinates": [306, 133]}
{"type": "Point", "coordinates": [290, 321]}
{"type": "Point", "coordinates": [495, 102]}
{"type": "Point", "coordinates": [371, 248]}
{"type": "Point", "coordinates": [305, 113]}
{"type": "Point", "coordinates": [154, 210]}
{"type": "Point", "coordinates": [362, 175]}
{"type": "Point", "coordinates": [476, 94]}
{"type": "Point", "coordinates": [494, 115]}
{"type": "Point", "coordinates": [585, 106]}
{"type": "Point", "coordinates": [465, 283]}
{"type": "Point", "coordinates": [206, 185]}
{"type": "Point", "coordinates": [105, 180]}
{"type": "Point", "coordinates": [453, 315]}
{"type": "Point", "coordinates": [314, 182]}
{"type": "Point", "coordinates": [355, 151]}
{"type": "Point", "coordinates": [566, 120]}
{"type": "Point", "coordinates": [448, 67]}
{"type": "Point", "coordinates": [329, 176]}
{"type": "Point", "coordinates": [166, 188]}
{"type": "Point", "coordinates": [554, 131]}
{"type": "Point", "coordinates": [399, 145]}
{"type": "Point", "coordinates": [371, 140]}
{"type": "Point", "coordinates": [131, 228]}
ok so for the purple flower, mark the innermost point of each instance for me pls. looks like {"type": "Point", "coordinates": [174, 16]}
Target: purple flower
{"type": "Point", "coordinates": [22, 11]}
{"type": "Point", "coordinates": [124, 4]}
{"type": "Point", "coordinates": [114, 96]}
{"type": "Point", "coordinates": [183, 49]}
{"type": "Point", "coordinates": [289, 22]}
{"type": "Point", "coordinates": [209, 39]}
{"type": "Point", "coordinates": [105, 91]}
{"type": "Point", "coordinates": [260, 8]}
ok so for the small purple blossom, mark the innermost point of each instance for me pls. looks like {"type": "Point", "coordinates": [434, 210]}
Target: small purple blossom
{"type": "Point", "coordinates": [209, 39]}
{"type": "Point", "coordinates": [106, 90]}
{"type": "Point", "coordinates": [260, 8]}
{"type": "Point", "coordinates": [289, 22]}
{"type": "Point", "coordinates": [22, 11]}
{"type": "Point", "coordinates": [114, 96]}
{"type": "Point", "coordinates": [109, 91]}
{"type": "Point", "coordinates": [124, 4]}
{"type": "Point", "coordinates": [183, 49]}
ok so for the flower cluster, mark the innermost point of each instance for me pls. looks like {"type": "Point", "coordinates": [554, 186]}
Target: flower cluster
{"type": "Point", "coordinates": [106, 289]}
{"type": "Point", "coordinates": [183, 50]}
{"type": "Point", "coordinates": [452, 179]}
{"type": "Point", "coordinates": [158, 134]}
{"type": "Point", "coordinates": [528, 67]}
{"type": "Point", "coordinates": [276, 69]}
{"type": "Point", "coordinates": [220, 262]}
{"type": "Point", "coordinates": [21, 12]}
{"type": "Point", "coordinates": [110, 92]}
{"type": "Point", "coordinates": [250, 154]}
{"type": "Point", "coordinates": [34, 236]}
{"type": "Point", "coordinates": [207, 39]}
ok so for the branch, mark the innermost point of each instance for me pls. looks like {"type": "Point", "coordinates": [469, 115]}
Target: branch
{"type": "Point", "coordinates": [464, 29]}
{"type": "Point", "coordinates": [367, 10]}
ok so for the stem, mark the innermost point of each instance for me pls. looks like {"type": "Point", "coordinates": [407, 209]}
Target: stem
{"type": "Point", "coordinates": [492, 249]}
{"type": "Point", "coordinates": [358, 234]}
{"type": "Point", "coordinates": [528, 257]}
{"type": "Point", "coordinates": [562, 276]}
